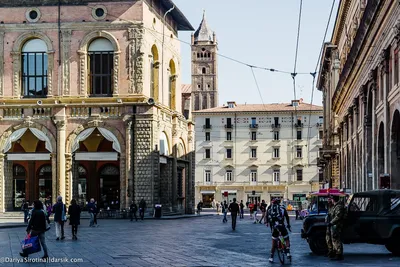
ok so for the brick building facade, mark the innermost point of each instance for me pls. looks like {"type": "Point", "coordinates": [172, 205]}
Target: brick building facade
{"type": "Point", "coordinates": [90, 94]}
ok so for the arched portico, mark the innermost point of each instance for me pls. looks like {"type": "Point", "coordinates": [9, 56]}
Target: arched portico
{"type": "Point", "coordinates": [395, 151]}
{"type": "Point", "coordinates": [27, 165]}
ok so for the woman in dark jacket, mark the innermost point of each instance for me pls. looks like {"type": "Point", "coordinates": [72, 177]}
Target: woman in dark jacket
{"type": "Point", "coordinates": [74, 212]}
{"type": "Point", "coordinates": [37, 227]}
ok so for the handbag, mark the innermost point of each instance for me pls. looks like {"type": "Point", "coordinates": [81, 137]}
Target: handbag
{"type": "Point", "coordinates": [30, 245]}
{"type": "Point", "coordinates": [63, 215]}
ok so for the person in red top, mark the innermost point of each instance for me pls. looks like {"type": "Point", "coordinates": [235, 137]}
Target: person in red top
{"type": "Point", "coordinates": [263, 208]}
{"type": "Point", "coordinates": [251, 207]}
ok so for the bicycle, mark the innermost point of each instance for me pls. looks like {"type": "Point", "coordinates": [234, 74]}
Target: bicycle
{"type": "Point", "coordinates": [281, 247]}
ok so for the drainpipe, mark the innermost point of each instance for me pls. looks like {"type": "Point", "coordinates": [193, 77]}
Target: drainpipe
{"type": "Point", "coordinates": [162, 54]}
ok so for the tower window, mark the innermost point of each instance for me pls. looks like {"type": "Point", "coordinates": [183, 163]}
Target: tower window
{"type": "Point", "coordinates": [208, 86]}
{"type": "Point", "coordinates": [209, 54]}
{"type": "Point", "coordinates": [203, 70]}
{"type": "Point", "coordinates": [203, 49]}
{"type": "Point", "coordinates": [198, 86]}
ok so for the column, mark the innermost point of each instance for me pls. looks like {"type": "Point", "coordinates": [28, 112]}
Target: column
{"type": "Point", "coordinates": [68, 178]}
{"type": "Point", "coordinates": [374, 184]}
{"type": "Point", "coordinates": [54, 181]}
{"type": "Point", "coordinates": [129, 163]}
{"type": "Point", "coordinates": [363, 95]}
{"type": "Point", "coordinates": [61, 127]}
{"type": "Point", "coordinates": [123, 188]}
{"type": "Point", "coordinates": [2, 176]}
{"type": "Point", "coordinates": [8, 185]}
{"type": "Point", "coordinates": [31, 184]}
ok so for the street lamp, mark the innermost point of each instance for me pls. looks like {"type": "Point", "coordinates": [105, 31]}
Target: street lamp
{"type": "Point", "coordinates": [162, 53]}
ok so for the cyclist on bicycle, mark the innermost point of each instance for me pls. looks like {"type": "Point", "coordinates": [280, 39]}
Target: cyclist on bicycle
{"type": "Point", "coordinates": [276, 218]}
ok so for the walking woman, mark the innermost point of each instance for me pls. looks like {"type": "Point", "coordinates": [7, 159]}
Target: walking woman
{"type": "Point", "coordinates": [37, 227]}
{"type": "Point", "coordinates": [74, 212]}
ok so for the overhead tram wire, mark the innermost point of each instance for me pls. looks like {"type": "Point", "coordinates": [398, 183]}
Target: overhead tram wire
{"type": "Point", "coordinates": [258, 88]}
{"type": "Point", "coordinates": [313, 74]}
{"type": "Point", "coordinates": [218, 54]}
{"type": "Point", "coordinates": [294, 74]}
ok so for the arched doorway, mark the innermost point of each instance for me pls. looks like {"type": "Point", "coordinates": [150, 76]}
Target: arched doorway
{"type": "Point", "coordinates": [82, 181]}
{"type": "Point", "coordinates": [395, 151]}
{"type": "Point", "coordinates": [19, 186]}
{"type": "Point", "coordinates": [45, 183]}
{"type": "Point", "coordinates": [110, 187]}
{"type": "Point", "coordinates": [368, 128]}
{"type": "Point", "coordinates": [381, 150]}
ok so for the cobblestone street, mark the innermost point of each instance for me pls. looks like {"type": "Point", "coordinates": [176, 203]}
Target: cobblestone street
{"type": "Point", "coordinates": [203, 241]}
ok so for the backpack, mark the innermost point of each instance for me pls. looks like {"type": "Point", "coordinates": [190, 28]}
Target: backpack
{"type": "Point", "coordinates": [275, 213]}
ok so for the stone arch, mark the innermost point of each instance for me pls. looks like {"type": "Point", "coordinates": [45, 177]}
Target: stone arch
{"type": "Point", "coordinates": [381, 149]}
{"type": "Point", "coordinates": [99, 34]}
{"type": "Point", "coordinates": [83, 60]}
{"type": "Point", "coordinates": [395, 150]}
{"type": "Point", "coordinates": [23, 38]}
{"type": "Point", "coordinates": [155, 73]}
{"type": "Point", "coordinates": [16, 56]}
{"type": "Point", "coordinates": [165, 148]}
{"type": "Point", "coordinates": [72, 136]}
{"type": "Point", "coordinates": [42, 128]}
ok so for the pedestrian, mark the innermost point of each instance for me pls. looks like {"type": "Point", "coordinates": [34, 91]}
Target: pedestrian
{"type": "Point", "coordinates": [335, 227]}
{"type": "Point", "coordinates": [91, 208]}
{"type": "Point", "coordinates": [49, 208]}
{"type": "Point", "coordinates": [224, 211]}
{"type": "Point", "coordinates": [217, 208]}
{"type": "Point", "coordinates": [60, 212]}
{"type": "Point", "coordinates": [199, 207]}
{"type": "Point", "coordinates": [25, 209]}
{"type": "Point", "coordinates": [241, 209]}
{"type": "Point", "coordinates": [37, 227]}
{"type": "Point", "coordinates": [263, 208]}
{"type": "Point", "coordinates": [133, 210]}
{"type": "Point", "coordinates": [255, 209]}
{"type": "Point", "coordinates": [142, 208]}
{"type": "Point", "coordinates": [251, 208]}
{"type": "Point", "coordinates": [96, 212]}
{"type": "Point", "coordinates": [74, 212]}
{"type": "Point", "coordinates": [234, 209]}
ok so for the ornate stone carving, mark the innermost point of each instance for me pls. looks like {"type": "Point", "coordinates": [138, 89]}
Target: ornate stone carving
{"type": "Point", "coordinates": [116, 73]}
{"type": "Point", "coordinates": [60, 124]}
{"type": "Point", "coordinates": [16, 70]}
{"type": "Point", "coordinates": [1, 62]}
{"type": "Point", "coordinates": [396, 30]}
{"type": "Point", "coordinates": [66, 44]}
{"type": "Point", "coordinates": [95, 123]}
{"type": "Point", "coordinates": [138, 59]}
{"type": "Point", "coordinates": [82, 73]}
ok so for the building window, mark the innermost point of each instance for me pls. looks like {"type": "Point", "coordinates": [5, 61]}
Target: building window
{"type": "Point", "coordinates": [228, 136]}
{"type": "Point", "coordinates": [321, 135]}
{"type": "Point", "coordinates": [320, 119]}
{"type": "Point", "coordinates": [203, 70]}
{"type": "Point", "coordinates": [299, 133]}
{"type": "Point", "coordinates": [208, 153]}
{"type": "Point", "coordinates": [276, 121]}
{"type": "Point", "coordinates": [276, 176]}
{"type": "Point", "coordinates": [208, 136]}
{"type": "Point", "coordinates": [101, 67]}
{"type": "Point", "coordinates": [34, 68]}
{"type": "Point", "coordinates": [228, 122]}
{"type": "Point", "coordinates": [253, 121]}
{"type": "Point", "coordinates": [253, 136]}
{"type": "Point", "coordinates": [299, 152]}
{"type": "Point", "coordinates": [396, 66]}
{"type": "Point", "coordinates": [299, 175]}
{"type": "Point", "coordinates": [228, 175]}
{"type": "Point", "coordinates": [276, 153]}
{"type": "Point", "coordinates": [253, 153]}
{"type": "Point", "coordinates": [207, 175]}
{"type": "Point", "coordinates": [229, 153]}
{"type": "Point", "coordinates": [253, 176]}
{"type": "Point", "coordinates": [208, 125]}
{"type": "Point", "coordinates": [276, 135]}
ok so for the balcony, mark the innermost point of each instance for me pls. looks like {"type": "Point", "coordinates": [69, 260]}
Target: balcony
{"type": "Point", "coordinates": [320, 124]}
{"type": "Point", "coordinates": [276, 126]}
{"type": "Point", "coordinates": [276, 183]}
{"type": "Point", "coordinates": [299, 125]}
{"type": "Point", "coordinates": [207, 126]}
{"type": "Point", "coordinates": [253, 126]}
{"type": "Point", "coordinates": [228, 126]}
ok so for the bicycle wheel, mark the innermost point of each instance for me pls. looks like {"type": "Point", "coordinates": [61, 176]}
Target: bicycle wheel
{"type": "Point", "coordinates": [281, 255]}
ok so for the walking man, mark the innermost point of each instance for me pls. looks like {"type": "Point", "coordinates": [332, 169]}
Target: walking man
{"type": "Point", "coordinates": [142, 208]}
{"type": "Point", "coordinates": [133, 210]}
{"type": "Point", "coordinates": [92, 211]}
{"type": "Point", "coordinates": [60, 212]}
{"type": "Point", "coordinates": [241, 209]}
{"type": "Point", "coordinates": [263, 208]}
{"type": "Point", "coordinates": [224, 211]}
{"type": "Point", "coordinates": [335, 226]}
{"type": "Point", "coordinates": [234, 209]}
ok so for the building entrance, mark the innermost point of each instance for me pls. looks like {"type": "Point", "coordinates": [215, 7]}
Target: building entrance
{"type": "Point", "coordinates": [110, 187]}
{"type": "Point", "coordinates": [19, 186]}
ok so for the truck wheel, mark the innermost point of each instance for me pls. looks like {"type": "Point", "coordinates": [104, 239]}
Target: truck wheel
{"type": "Point", "coordinates": [317, 243]}
{"type": "Point", "coordinates": [394, 248]}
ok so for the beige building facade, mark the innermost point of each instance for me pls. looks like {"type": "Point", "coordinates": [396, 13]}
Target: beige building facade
{"type": "Point", "coordinates": [256, 152]}
{"type": "Point", "coordinates": [360, 81]}
{"type": "Point", "coordinates": [91, 104]}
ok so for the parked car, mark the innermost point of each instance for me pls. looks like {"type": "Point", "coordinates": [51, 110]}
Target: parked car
{"type": "Point", "coordinates": [372, 217]}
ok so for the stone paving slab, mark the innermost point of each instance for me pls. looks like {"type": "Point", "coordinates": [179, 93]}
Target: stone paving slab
{"type": "Point", "coordinates": [201, 241]}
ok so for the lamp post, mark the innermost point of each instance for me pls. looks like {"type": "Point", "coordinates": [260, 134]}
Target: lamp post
{"type": "Point", "coordinates": [162, 53]}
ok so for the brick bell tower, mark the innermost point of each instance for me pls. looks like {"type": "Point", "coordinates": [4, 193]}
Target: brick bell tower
{"type": "Point", "coordinates": [204, 68]}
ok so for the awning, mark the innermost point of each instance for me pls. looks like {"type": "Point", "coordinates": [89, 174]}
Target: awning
{"type": "Point", "coordinates": [28, 156]}
{"type": "Point", "coordinates": [207, 192]}
{"type": "Point", "coordinates": [229, 191]}
{"type": "Point", "coordinates": [96, 156]}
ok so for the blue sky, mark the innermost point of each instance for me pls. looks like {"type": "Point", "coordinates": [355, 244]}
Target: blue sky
{"type": "Point", "coordinates": [262, 33]}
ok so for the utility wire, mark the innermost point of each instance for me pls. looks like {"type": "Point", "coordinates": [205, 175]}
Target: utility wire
{"type": "Point", "coordinates": [313, 74]}
{"type": "Point", "coordinates": [258, 87]}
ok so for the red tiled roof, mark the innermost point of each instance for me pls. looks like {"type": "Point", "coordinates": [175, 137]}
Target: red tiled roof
{"type": "Point", "coordinates": [261, 108]}
{"type": "Point", "coordinates": [186, 88]}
